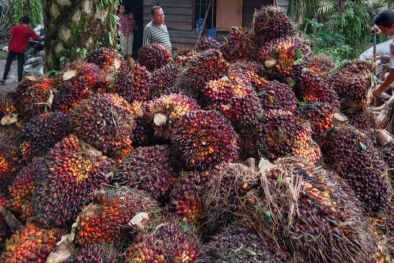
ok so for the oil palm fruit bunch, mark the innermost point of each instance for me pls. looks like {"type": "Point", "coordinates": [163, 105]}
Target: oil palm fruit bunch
{"type": "Point", "coordinates": [154, 56]}
{"type": "Point", "coordinates": [73, 171]}
{"type": "Point", "coordinates": [105, 121]}
{"type": "Point", "coordinates": [279, 134]}
{"type": "Point", "coordinates": [218, 92]}
{"type": "Point", "coordinates": [353, 84]}
{"type": "Point", "coordinates": [229, 194]}
{"type": "Point", "coordinates": [149, 169]}
{"type": "Point", "coordinates": [251, 69]}
{"type": "Point", "coordinates": [239, 45]}
{"type": "Point", "coordinates": [3, 223]}
{"type": "Point", "coordinates": [242, 112]}
{"type": "Point", "coordinates": [105, 58]}
{"type": "Point", "coordinates": [106, 220]}
{"type": "Point", "coordinates": [387, 154]}
{"type": "Point", "coordinates": [206, 66]}
{"type": "Point", "coordinates": [164, 78]}
{"type": "Point", "coordinates": [314, 212]}
{"type": "Point", "coordinates": [270, 23]}
{"type": "Point", "coordinates": [23, 188]}
{"type": "Point", "coordinates": [186, 195]}
{"type": "Point", "coordinates": [310, 87]}
{"type": "Point", "coordinates": [274, 95]}
{"type": "Point", "coordinates": [207, 43]}
{"type": "Point", "coordinates": [42, 132]}
{"type": "Point", "coordinates": [319, 114]}
{"type": "Point", "coordinates": [169, 241]}
{"type": "Point", "coordinates": [11, 161]}
{"type": "Point", "coordinates": [352, 154]}
{"type": "Point", "coordinates": [183, 55]}
{"type": "Point", "coordinates": [322, 65]}
{"type": "Point", "coordinates": [143, 133]}
{"type": "Point", "coordinates": [31, 95]}
{"type": "Point", "coordinates": [134, 85]}
{"type": "Point", "coordinates": [203, 139]}
{"type": "Point", "coordinates": [164, 112]}
{"type": "Point", "coordinates": [363, 120]}
{"type": "Point", "coordinates": [95, 254]}
{"type": "Point", "coordinates": [256, 248]}
{"type": "Point", "coordinates": [383, 226]}
{"type": "Point", "coordinates": [79, 79]}
{"type": "Point", "coordinates": [31, 244]}
{"type": "Point", "coordinates": [284, 58]}
{"type": "Point", "coordinates": [7, 103]}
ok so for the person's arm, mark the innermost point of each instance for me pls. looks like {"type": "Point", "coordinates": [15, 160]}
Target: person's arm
{"type": "Point", "coordinates": [385, 85]}
{"type": "Point", "coordinates": [35, 36]}
{"type": "Point", "coordinates": [147, 37]}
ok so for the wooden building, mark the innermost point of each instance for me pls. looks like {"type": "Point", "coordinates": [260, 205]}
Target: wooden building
{"type": "Point", "coordinates": [181, 17]}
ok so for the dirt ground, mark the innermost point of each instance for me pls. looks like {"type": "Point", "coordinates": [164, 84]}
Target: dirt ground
{"type": "Point", "coordinates": [12, 79]}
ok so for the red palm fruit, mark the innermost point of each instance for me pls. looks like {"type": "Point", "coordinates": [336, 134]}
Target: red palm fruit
{"type": "Point", "coordinates": [322, 65]}
{"type": "Point", "coordinates": [203, 139]}
{"type": "Point", "coordinates": [362, 120]}
{"type": "Point", "coordinates": [107, 219]}
{"type": "Point", "coordinates": [162, 113]}
{"type": "Point", "coordinates": [72, 172]}
{"type": "Point", "coordinates": [106, 59]}
{"type": "Point", "coordinates": [23, 188]}
{"type": "Point", "coordinates": [11, 160]}
{"type": "Point", "coordinates": [170, 241]}
{"type": "Point", "coordinates": [274, 95]}
{"type": "Point", "coordinates": [353, 156]}
{"type": "Point", "coordinates": [251, 69]}
{"type": "Point", "coordinates": [270, 23]}
{"type": "Point", "coordinates": [207, 43]}
{"type": "Point", "coordinates": [7, 103]}
{"type": "Point", "coordinates": [95, 254]}
{"type": "Point", "coordinates": [150, 169]}
{"type": "Point", "coordinates": [105, 121]}
{"type": "Point", "coordinates": [183, 55]}
{"type": "Point", "coordinates": [239, 45]}
{"type": "Point", "coordinates": [42, 132]}
{"type": "Point", "coordinates": [164, 78]}
{"type": "Point", "coordinates": [3, 225]}
{"type": "Point", "coordinates": [319, 114]}
{"type": "Point", "coordinates": [31, 244]}
{"type": "Point", "coordinates": [153, 56]}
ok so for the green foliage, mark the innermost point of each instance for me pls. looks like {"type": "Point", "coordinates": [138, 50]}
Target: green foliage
{"type": "Point", "coordinates": [19, 8]}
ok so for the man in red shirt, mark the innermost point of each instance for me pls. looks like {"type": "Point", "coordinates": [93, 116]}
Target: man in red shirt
{"type": "Point", "coordinates": [20, 36]}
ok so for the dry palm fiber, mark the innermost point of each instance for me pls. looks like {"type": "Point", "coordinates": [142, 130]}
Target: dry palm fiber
{"type": "Point", "coordinates": [352, 154]}
{"type": "Point", "coordinates": [313, 211]}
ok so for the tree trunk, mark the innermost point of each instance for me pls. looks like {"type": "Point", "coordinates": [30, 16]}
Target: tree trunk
{"type": "Point", "coordinates": [92, 25]}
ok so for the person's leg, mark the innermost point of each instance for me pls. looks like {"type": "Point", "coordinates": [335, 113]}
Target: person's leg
{"type": "Point", "coordinates": [10, 57]}
{"type": "Point", "coordinates": [21, 62]}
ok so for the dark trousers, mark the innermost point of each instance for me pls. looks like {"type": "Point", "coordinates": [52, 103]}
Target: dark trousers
{"type": "Point", "coordinates": [10, 57]}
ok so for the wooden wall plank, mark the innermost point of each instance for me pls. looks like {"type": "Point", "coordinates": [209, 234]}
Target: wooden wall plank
{"type": "Point", "coordinates": [174, 25]}
{"type": "Point", "coordinates": [172, 10]}
{"type": "Point", "coordinates": [173, 18]}
{"type": "Point", "coordinates": [166, 3]}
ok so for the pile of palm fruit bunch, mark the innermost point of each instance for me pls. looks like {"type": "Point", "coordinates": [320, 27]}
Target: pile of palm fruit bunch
{"type": "Point", "coordinates": [250, 149]}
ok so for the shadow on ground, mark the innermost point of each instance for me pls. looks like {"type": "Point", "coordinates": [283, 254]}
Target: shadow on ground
{"type": "Point", "coordinates": [12, 79]}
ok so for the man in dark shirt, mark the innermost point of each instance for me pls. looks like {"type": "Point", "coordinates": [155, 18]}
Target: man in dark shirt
{"type": "Point", "coordinates": [20, 36]}
{"type": "Point", "coordinates": [156, 31]}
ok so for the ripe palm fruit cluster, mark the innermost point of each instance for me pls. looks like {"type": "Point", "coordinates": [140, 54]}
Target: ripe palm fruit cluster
{"type": "Point", "coordinates": [95, 254]}
{"type": "Point", "coordinates": [310, 87]}
{"type": "Point", "coordinates": [274, 95]}
{"type": "Point", "coordinates": [164, 78]}
{"type": "Point", "coordinates": [280, 134]}
{"type": "Point", "coordinates": [79, 81]}
{"type": "Point", "coordinates": [72, 173]}
{"type": "Point", "coordinates": [154, 56]}
{"type": "Point", "coordinates": [238, 45]}
{"type": "Point", "coordinates": [270, 23]}
{"type": "Point", "coordinates": [150, 169]}
{"type": "Point", "coordinates": [183, 55]}
{"type": "Point", "coordinates": [251, 69]}
{"type": "Point", "coordinates": [164, 112]}
{"type": "Point", "coordinates": [3, 224]}
{"type": "Point", "coordinates": [42, 132]}
{"type": "Point", "coordinates": [105, 121]}
{"type": "Point", "coordinates": [314, 212]}
{"type": "Point", "coordinates": [10, 161]}
{"type": "Point", "coordinates": [242, 112]}
{"type": "Point", "coordinates": [22, 190]}
{"type": "Point", "coordinates": [284, 57]}
{"type": "Point", "coordinates": [207, 43]}
{"type": "Point", "coordinates": [352, 83]}
{"type": "Point", "coordinates": [106, 219]}
{"type": "Point", "coordinates": [387, 154]}
{"type": "Point", "coordinates": [352, 155]}
{"type": "Point", "coordinates": [221, 91]}
{"type": "Point", "coordinates": [319, 114]}
{"type": "Point", "coordinates": [105, 58]}
{"type": "Point", "coordinates": [362, 120]}
{"type": "Point", "coordinates": [31, 244]}
{"type": "Point", "coordinates": [7, 103]}
{"type": "Point", "coordinates": [134, 85]}
{"type": "Point", "coordinates": [203, 139]}
{"type": "Point", "coordinates": [225, 246]}
{"type": "Point", "coordinates": [322, 65]}
{"type": "Point", "coordinates": [186, 196]}
{"type": "Point", "coordinates": [172, 241]}
{"type": "Point", "coordinates": [31, 94]}
{"type": "Point", "coordinates": [206, 66]}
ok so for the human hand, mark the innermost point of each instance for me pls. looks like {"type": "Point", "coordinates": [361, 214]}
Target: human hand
{"type": "Point", "coordinates": [376, 92]}
{"type": "Point", "coordinates": [375, 30]}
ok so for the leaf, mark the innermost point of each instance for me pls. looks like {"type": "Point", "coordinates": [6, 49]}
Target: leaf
{"type": "Point", "coordinates": [292, 83]}
{"type": "Point", "coordinates": [185, 70]}
{"type": "Point", "coordinates": [225, 38]}
{"type": "Point", "coordinates": [185, 228]}
{"type": "Point", "coordinates": [261, 115]}
{"type": "Point", "coordinates": [299, 53]}
{"type": "Point", "coordinates": [298, 62]}
{"type": "Point", "coordinates": [261, 93]}
{"type": "Point", "coordinates": [279, 179]}
{"type": "Point", "coordinates": [302, 103]}
{"type": "Point", "coordinates": [267, 216]}
{"type": "Point", "coordinates": [363, 146]}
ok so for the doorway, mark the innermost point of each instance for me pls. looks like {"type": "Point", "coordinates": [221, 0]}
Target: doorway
{"type": "Point", "coordinates": [137, 8]}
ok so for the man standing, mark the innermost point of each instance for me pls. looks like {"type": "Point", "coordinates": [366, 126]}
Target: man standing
{"type": "Point", "coordinates": [156, 30]}
{"type": "Point", "coordinates": [20, 36]}
{"type": "Point", "coordinates": [384, 23]}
